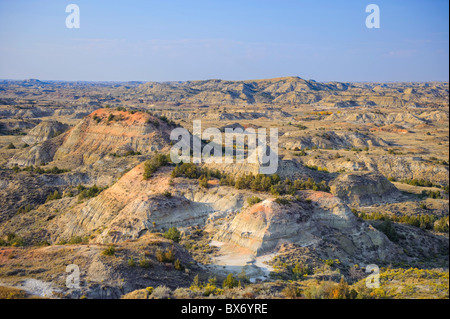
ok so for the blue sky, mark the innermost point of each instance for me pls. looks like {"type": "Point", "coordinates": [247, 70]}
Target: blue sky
{"type": "Point", "coordinates": [182, 40]}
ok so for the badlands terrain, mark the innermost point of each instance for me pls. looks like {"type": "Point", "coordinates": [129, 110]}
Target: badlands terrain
{"type": "Point", "coordinates": [85, 180]}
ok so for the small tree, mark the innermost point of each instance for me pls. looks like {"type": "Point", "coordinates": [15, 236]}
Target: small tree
{"type": "Point", "coordinates": [253, 200]}
{"type": "Point", "coordinates": [131, 262]}
{"type": "Point", "coordinates": [203, 182]}
{"type": "Point", "coordinates": [243, 276]}
{"type": "Point", "coordinates": [53, 196]}
{"type": "Point", "coordinates": [230, 282]}
{"type": "Point", "coordinates": [388, 229]}
{"type": "Point", "coordinates": [173, 234]}
{"type": "Point", "coordinates": [10, 146]}
{"type": "Point", "coordinates": [110, 251]}
{"type": "Point", "coordinates": [169, 255]}
{"type": "Point", "coordinates": [143, 262]}
{"type": "Point", "coordinates": [178, 265]}
{"type": "Point", "coordinates": [196, 285]}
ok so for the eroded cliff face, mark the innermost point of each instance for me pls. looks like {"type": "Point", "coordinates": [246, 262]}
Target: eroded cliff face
{"type": "Point", "coordinates": [105, 131]}
{"type": "Point", "coordinates": [134, 206]}
{"type": "Point", "coordinates": [364, 188]}
{"type": "Point", "coordinates": [398, 167]}
{"type": "Point", "coordinates": [100, 134]}
{"type": "Point", "coordinates": [264, 227]}
{"type": "Point", "coordinates": [45, 131]}
{"type": "Point", "coordinates": [331, 140]}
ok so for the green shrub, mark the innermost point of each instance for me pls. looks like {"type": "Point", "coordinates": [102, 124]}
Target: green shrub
{"type": "Point", "coordinates": [173, 234]}
{"type": "Point", "coordinates": [178, 265]}
{"type": "Point", "coordinates": [253, 200]}
{"type": "Point", "coordinates": [441, 225]}
{"type": "Point", "coordinates": [86, 193]}
{"type": "Point", "coordinates": [96, 118]}
{"type": "Point", "coordinates": [291, 292]}
{"type": "Point", "coordinates": [230, 282]}
{"type": "Point", "coordinates": [165, 255]}
{"type": "Point", "coordinates": [131, 262]}
{"type": "Point", "coordinates": [388, 229]}
{"type": "Point", "coordinates": [152, 165]}
{"type": "Point", "coordinates": [24, 209]}
{"type": "Point", "coordinates": [196, 285]}
{"type": "Point", "coordinates": [144, 262]}
{"type": "Point", "coordinates": [203, 182]}
{"type": "Point", "coordinates": [300, 270]}
{"type": "Point", "coordinates": [282, 201]}
{"type": "Point", "coordinates": [13, 240]}
{"type": "Point", "coordinates": [110, 251]}
{"type": "Point", "coordinates": [55, 195]}
{"type": "Point", "coordinates": [75, 240]}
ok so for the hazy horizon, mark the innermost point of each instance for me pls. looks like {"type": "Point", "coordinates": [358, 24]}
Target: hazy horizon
{"type": "Point", "coordinates": [198, 80]}
{"type": "Point", "coordinates": [150, 41]}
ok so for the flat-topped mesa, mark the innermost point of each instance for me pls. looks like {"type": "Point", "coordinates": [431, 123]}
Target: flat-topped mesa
{"type": "Point", "coordinates": [103, 132]}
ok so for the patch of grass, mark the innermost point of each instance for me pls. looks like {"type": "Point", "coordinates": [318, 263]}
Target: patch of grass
{"type": "Point", "coordinates": [12, 293]}
{"type": "Point", "coordinates": [282, 201]}
{"type": "Point", "coordinates": [110, 251]}
{"type": "Point", "coordinates": [12, 240]}
{"type": "Point", "coordinates": [144, 262]}
{"type": "Point", "coordinates": [253, 200]}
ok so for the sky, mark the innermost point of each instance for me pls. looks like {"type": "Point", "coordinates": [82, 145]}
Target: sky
{"type": "Point", "coordinates": [179, 40]}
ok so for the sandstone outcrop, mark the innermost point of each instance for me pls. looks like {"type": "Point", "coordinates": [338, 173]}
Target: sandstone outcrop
{"type": "Point", "coordinates": [262, 228]}
{"type": "Point", "coordinates": [100, 134]}
{"type": "Point", "coordinates": [364, 188]}
{"type": "Point", "coordinates": [45, 131]}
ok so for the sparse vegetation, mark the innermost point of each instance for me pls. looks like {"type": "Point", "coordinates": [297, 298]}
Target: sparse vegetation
{"type": "Point", "coordinates": [230, 282]}
{"type": "Point", "coordinates": [152, 165]}
{"type": "Point", "coordinates": [12, 240]}
{"type": "Point", "coordinates": [173, 234]}
{"type": "Point", "coordinates": [253, 200]}
{"type": "Point", "coordinates": [110, 251]}
{"type": "Point", "coordinates": [39, 170]}
{"type": "Point", "coordinates": [423, 221]}
{"type": "Point", "coordinates": [53, 196]}
{"type": "Point", "coordinates": [90, 192]}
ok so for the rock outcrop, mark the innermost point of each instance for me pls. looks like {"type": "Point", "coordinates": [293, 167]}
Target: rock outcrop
{"type": "Point", "coordinates": [133, 207]}
{"type": "Point", "coordinates": [364, 188]}
{"type": "Point", "coordinates": [103, 132]}
{"type": "Point", "coordinates": [45, 131]}
{"type": "Point", "coordinates": [332, 140]}
{"type": "Point", "coordinates": [262, 228]}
